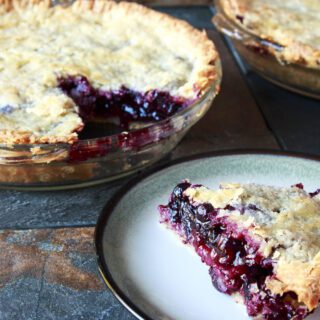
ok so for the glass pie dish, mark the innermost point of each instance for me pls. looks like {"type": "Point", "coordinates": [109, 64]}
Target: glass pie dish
{"type": "Point", "coordinates": [91, 161]}
{"type": "Point", "coordinates": [263, 57]}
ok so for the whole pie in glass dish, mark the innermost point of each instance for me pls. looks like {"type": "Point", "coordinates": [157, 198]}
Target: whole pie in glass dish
{"type": "Point", "coordinates": [279, 39]}
{"type": "Point", "coordinates": [260, 242]}
{"type": "Point", "coordinates": [62, 67]}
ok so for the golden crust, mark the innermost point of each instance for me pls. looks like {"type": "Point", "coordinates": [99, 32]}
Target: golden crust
{"type": "Point", "coordinates": [10, 137]}
{"type": "Point", "coordinates": [192, 39]}
{"type": "Point", "coordinates": [22, 4]}
{"type": "Point", "coordinates": [291, 25]}
{"type": "Point", "coordinates": [197, 69]}
{"type": "Point", "coordinates": [302, 278]}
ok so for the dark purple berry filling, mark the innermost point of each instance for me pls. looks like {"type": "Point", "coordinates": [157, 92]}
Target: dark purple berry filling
{"type": "Point", "coordinates": [236, 266]}
{"type": "Point", "coordinates": [240, 18]}
{"type": "Point", "coordinates": [299, 186]}
{"type": "Point", "coordinates": [125, 140]}
{"type": "Point", "coordinates": [125, 104]}
{"type": "Point", "coordinates": [312, 194]}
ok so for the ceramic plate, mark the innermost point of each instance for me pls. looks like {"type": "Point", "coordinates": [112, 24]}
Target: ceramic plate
{"type": "Point", "coordinates": [147, 267]}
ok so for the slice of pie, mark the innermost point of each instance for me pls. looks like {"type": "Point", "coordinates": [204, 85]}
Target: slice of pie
{"type": "Point", "coordinates": [261, 243]}
{"type": "Point", "coordinates": [291, 25]}
{"type": "Point", "coordinates": [64, 66]}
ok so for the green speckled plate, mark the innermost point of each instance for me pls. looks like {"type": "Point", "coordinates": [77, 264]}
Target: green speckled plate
{"type": "Point", "coordinates": [147, 267]}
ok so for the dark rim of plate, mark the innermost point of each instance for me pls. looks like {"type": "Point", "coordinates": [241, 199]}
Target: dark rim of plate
{"type": "Point", "coordinates": [116, 198]}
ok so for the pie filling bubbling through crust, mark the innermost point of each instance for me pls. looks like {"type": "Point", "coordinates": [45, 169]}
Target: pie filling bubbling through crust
{"type": "Point", "coordinates": [230, 230]}
{"type": "Point", "coordinates": [60, 66]}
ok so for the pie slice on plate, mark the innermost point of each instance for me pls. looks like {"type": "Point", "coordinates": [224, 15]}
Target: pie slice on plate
{"type": "Point", "coordinates": [260, 242]}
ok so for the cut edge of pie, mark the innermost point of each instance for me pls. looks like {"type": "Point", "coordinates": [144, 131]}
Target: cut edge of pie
{"type": "Point", "coordinates": [260, 242]}
{"type": "Point", "coordinates": [199, 49]}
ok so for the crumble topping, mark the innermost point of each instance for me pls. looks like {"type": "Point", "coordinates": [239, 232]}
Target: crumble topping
{"type": "Point", "coordinates": [112, 45]}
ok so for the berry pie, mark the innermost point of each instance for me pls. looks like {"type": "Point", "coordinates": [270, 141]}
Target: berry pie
{"type": "Point", "coordinates": [261, 243]}
{"type": "Point", "coordinates": [291, 25]}
{"type": "Point", "coordinates": [62, 67]}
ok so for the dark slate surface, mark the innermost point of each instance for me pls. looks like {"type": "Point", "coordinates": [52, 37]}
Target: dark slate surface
{"type": "Point", "coordinates": [294, 119]}
{"type": "Point", "coordinates": [52, 274]}
{"type": "Point", "coordinates": [199, 16]}
{"type": "Point", "coordinates": [22, 210]}
{"type": "Point", "coordinates": [17, 299]}
{"type": "Point", "coordinates": [59, 302]}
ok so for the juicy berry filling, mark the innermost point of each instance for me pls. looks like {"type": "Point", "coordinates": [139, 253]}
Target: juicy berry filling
{"type": "Point", "coordinates": [240, 18]}
{"type": "Point", "coordinates": [312, 194]}
{"type": "Point", "coordinates": [125, 104]}
{"type": "Point", "coordinates": [125, 140]}
{"type": "Point", "coordinates": [236, 266]}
